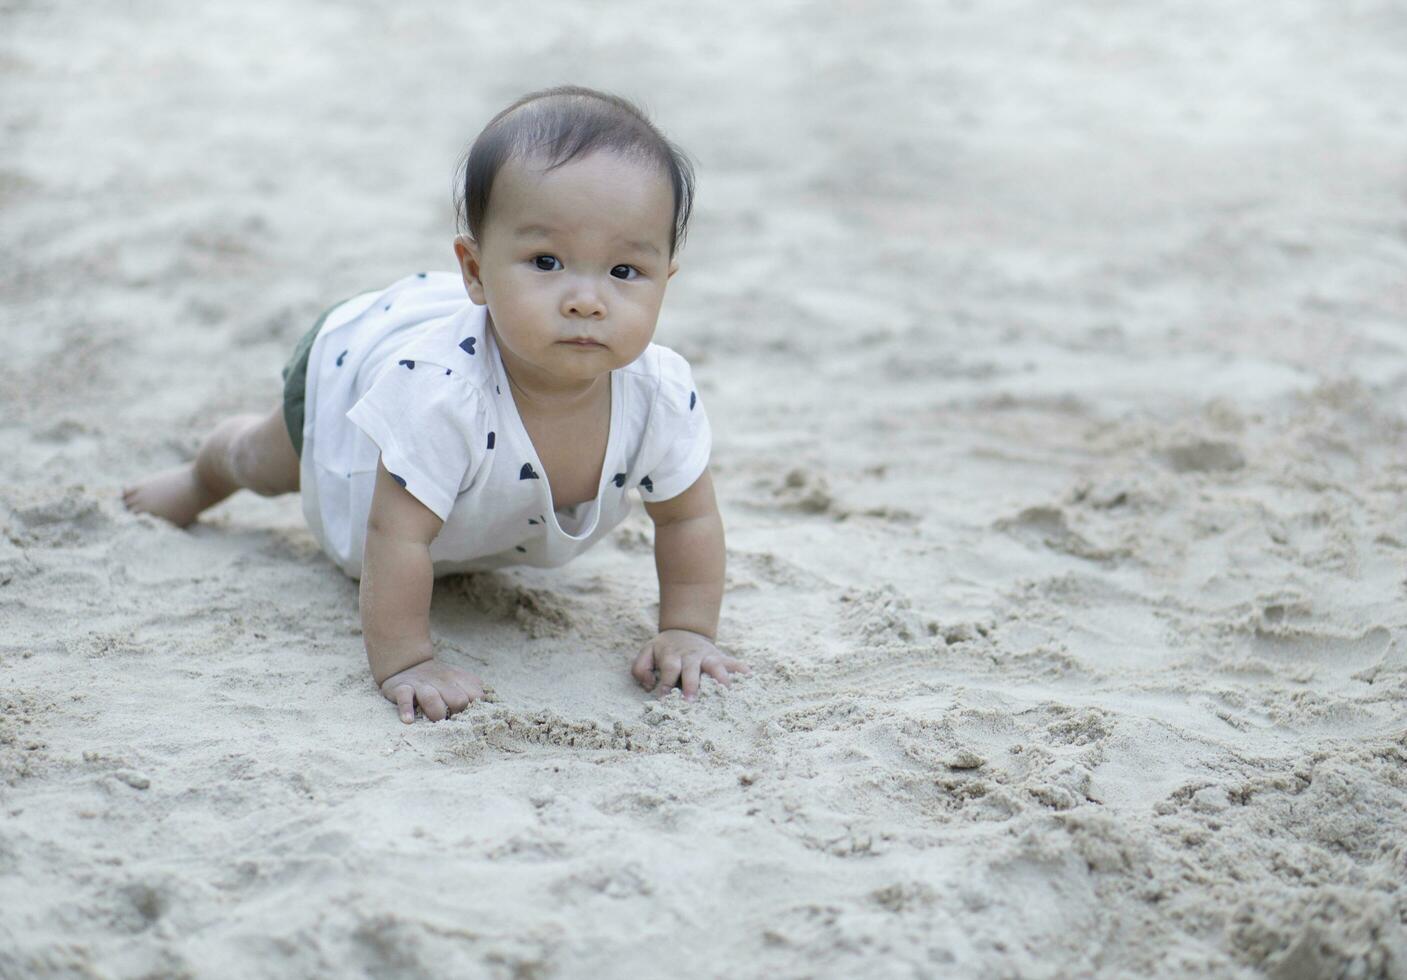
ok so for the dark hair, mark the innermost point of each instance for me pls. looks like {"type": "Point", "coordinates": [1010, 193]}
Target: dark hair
{"type": "Point", "coordinates": [560, 124]}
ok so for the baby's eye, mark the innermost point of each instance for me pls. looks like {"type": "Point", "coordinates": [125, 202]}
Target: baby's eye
{"type": "Point", "coordinates": [628, 269]}
{"type": "Point", "coordinates": [537, 261]}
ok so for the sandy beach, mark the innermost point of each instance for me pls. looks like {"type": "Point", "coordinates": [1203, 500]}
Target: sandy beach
{"type": "Point", "coordinates": [1055, 357]}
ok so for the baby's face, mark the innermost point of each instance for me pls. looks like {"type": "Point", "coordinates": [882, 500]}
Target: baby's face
{"type": "Point", "coordinates": [578, 252]}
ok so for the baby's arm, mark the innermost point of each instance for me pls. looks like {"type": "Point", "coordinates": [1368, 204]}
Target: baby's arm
{"type": "Point", "coordinates": [689, 559]}
{"type": "Point", "coordinates": [397, 580]}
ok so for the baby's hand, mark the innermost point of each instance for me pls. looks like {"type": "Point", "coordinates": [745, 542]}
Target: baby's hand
{"type": "Point", "coordinates": [680, 656]}
{"type": "Point", "coordinates": [441, 690]}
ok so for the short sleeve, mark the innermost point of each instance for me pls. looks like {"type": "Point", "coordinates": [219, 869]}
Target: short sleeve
{"type": "Point", "coordinates": [679, 437]}
{"type": "Point", "coordinates": [424, 420]}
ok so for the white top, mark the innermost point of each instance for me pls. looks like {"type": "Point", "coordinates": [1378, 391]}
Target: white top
{"type": "Point", "coordinates": [410, 374]}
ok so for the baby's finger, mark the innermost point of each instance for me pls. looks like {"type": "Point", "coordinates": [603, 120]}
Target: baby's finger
{"type": "Point", "coordinates": [714, 668]}
{"type": "Point", "coordinates": [405, 702]}
{"type": "Point", "coordinates": [431, 704]}
{"type": "Point", "coordinates": [690, 681]}
{"type": "Point", "coordinates": [643, 669]}
{"type": "Point", "coordinates": [735, 665]}
{"type": "Point", "coordinates": [669, 668]}
{"type": "Point", "coordinates": [455, 697]}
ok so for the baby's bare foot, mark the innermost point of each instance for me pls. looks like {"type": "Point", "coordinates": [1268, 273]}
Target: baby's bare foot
{"type": "Point", "coordinates": [175, 495]}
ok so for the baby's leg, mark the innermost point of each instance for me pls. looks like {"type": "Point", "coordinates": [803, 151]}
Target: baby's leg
{"type": "Point", "coordinates": [250, 451]}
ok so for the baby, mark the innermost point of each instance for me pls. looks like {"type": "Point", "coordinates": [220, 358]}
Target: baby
{"type": "Point", "coordinates": [429, 433]}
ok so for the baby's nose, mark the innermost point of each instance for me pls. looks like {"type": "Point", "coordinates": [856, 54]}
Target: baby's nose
{"type": "Point", "coordinates": [584, 303]}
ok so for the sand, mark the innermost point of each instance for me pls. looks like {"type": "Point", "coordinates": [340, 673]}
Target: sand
{"type": "Point", "coordinates": [1055, 358]}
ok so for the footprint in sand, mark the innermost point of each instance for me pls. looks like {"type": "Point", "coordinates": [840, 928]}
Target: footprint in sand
{"type": "Point", "coordinates": [1203, 456]}
{"type": "Point", "coordinates": [1047, 526]}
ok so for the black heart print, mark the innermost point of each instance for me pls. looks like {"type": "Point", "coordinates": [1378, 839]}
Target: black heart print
{"type": "Point", "coordinates": [618, 479]}
{"type": "Point", "coordinates": [526, 473]}
{"type": "Point", "coordinates": [467, 344]}
{"type": "Point", "coordinates": [648, 484]}
{"type": "Point", "coordinates": [408, 364]}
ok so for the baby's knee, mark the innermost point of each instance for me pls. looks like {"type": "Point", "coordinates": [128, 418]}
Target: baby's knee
{"type": "Point", "coordinates": [258, 466]}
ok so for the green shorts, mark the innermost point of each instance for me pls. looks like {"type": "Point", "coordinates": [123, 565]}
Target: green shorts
{"type": "Point", "coordinates": [295, 381]}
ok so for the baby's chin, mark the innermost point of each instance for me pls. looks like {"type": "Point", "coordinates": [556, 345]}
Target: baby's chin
{"type": "Point", "coordinates": [588, 365]}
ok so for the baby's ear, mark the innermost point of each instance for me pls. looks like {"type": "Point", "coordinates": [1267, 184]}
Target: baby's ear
{"type": "Point", "coordinates": [465, 244]}
{"type": "Point", "coordinates": [466, 250]}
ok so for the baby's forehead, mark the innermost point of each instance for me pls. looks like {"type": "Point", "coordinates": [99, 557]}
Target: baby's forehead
{"type": "Point", "coordinates": [633, 190]}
